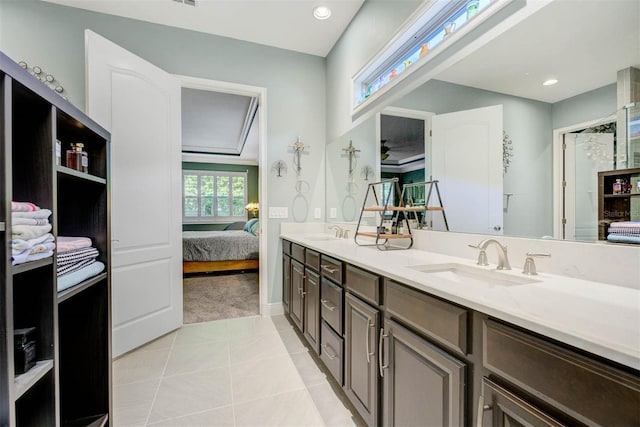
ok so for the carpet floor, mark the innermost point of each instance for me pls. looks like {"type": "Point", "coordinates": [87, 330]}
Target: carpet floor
{"type": "Point", "coordinates": [216, 297]}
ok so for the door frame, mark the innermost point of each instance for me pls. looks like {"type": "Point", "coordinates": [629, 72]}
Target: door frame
{"type": "Point", "coordinates": [261, 94]}
{"type": "Point", "coordinates": [558, 169]}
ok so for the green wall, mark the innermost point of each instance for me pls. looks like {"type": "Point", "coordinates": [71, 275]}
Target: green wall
{"type": "Point", "coordinates": [252, 187]}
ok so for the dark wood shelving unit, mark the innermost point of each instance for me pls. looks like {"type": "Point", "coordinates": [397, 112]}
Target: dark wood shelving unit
{"type": "Point", "coordinates": [615, 207]}
{"type": "Point", "coordinates": [71, 381]}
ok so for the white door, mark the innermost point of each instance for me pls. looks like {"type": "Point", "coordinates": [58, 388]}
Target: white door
{"type": "Point", "coordinates": [466, 159]}
{"type": "Point", "coordinates": [140, 105]}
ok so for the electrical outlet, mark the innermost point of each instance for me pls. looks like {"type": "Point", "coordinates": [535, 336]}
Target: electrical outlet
{"type": "Point", "coordinates": [278, 212]}
{"type": "Point", "coordinates": [317, 213]}
{"type": "Point", "coordinates": [333, 213]}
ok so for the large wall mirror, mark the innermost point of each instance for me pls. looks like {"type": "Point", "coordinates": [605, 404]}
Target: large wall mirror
{"type": "Point", "coordinates": [581, 44]}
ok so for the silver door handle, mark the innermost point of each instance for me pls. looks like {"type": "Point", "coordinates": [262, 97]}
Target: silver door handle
{"type": "Point", "coordinates": [366, 338]}
{"type": "Point", "coordinates": [329, 307]}
{"type": "Point", "coordinates": [328, 269]}
{"type": "Point", "coordinates": [481, 409]}
{"type": "Point", "coordinates": [380, 363]}
{"type": "Point", "coordinates": [326, 351]}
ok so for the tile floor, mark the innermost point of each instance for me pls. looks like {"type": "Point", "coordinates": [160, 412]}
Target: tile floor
{"type": "Point", "coordinates": [237, 372]}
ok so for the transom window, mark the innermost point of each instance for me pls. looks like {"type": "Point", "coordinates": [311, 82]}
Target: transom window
{"type": "Point", "coordinates": [213, 196]}
{"type": "Point", "coordinates": [418, 43]}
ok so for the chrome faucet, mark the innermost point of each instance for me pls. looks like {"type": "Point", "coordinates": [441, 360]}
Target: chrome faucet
{"type": "Point", "coordinates": [503, 259]}
{"type": "Point", "coordinates": [339, 230]}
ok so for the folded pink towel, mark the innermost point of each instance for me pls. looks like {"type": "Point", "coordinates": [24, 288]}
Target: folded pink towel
{"type": "Point", "coordinates": [66, 243]}
{"type": "Point", "coordinates": [23, 207]}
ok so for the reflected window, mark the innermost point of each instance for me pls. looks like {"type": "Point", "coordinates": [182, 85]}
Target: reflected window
{"type": "Point", "coordinates": [417, 44]}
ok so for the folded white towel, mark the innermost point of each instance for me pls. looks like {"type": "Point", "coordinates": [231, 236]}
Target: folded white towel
{"type": "Point", "coordinates": [19, 245]}
{"type": "Point", "coordinates": [42, 213]}
{"type": "Point", "coordinates": [27, 232]}
{"type": "Point", "coordinates": [29, 221]}
{"type": "Point", "coordinates": [21, 259]}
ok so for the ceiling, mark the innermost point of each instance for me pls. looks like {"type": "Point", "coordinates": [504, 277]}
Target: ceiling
{"type": "Point", "coordinates": [582, 43]}
{"type": "Point", "coordinates": [286, 24]}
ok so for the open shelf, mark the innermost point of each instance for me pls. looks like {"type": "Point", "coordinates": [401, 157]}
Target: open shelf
{"type": "Point", "coordinates": [74, 290]}
{"type": "Point", "coordinates": [32, 265]}
{"type": "Point", "coordinates": [94, 421]}
{"type": "Point", "coordinates": [24, 382]}
{"type": "Point", "coordinates": [80, 175]}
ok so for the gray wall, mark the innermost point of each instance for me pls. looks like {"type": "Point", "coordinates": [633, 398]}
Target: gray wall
{"type": "Point", "coordinates": [373, 26]}
{"type": "Point", "coordinates": [585, 107]}
{"type": "Point", "coordinates": [52, 37]}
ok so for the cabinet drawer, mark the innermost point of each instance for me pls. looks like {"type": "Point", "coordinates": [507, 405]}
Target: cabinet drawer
{"type": "Point", "coordinates": [437, 319]}
{"type": "Point", "coordinates": [331, 304]}
{"type": "Point", "coordinates": [585, 389]}
{"type": "Point", "coordinates": [297, 252]}
{"type": "Point", "coordinates": [286, 247]}
{"type": "Point", "coordinates": [312, 259]}
{"type": "Point", "coordinates": [364, 284]}
{"type": "Point", "coordinates": [331, 351]}
{"type": "Point", "coordinates": [331, 268]}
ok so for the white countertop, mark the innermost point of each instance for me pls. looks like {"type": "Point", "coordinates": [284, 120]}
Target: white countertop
{"type": "Point", "coordinates": [596, 317]}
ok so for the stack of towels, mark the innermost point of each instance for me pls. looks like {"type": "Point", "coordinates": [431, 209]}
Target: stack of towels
{"type": "Point", "coordinates": [30, 233]}
{"type": "Point", "coordinates": [76, 261]}
{"type": "Point", "coordinates": [624, 232]}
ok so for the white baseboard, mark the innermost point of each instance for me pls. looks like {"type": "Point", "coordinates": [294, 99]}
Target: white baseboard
{"type": "Point", "coordinates": [273, 309]}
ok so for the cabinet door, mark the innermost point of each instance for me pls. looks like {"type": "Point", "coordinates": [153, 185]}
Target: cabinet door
{"type": "Point", "coordinates": [286, 282]}
{"type": "Point", "coordinates": [311, 313]}
{"type": "Point", "coordinates": [422, 384]}
{"type": "Point", "coordinates": [501, 408]}
{"type": "Point", "coordinates": [361, 383]}
{"type": "Point", "coordinates": [296, 303]}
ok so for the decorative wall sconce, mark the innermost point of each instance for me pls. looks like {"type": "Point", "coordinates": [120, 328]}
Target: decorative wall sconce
{"type": "Point", "coordinates": [298, 147]}
{"type": "Point", "coordinates": [279, 167]}
{"type": "Point", "coordinates": [47, 79]}
{"type": "Point", "coordinates": [253, 208]}
{"type": "Point", "coordinates": [353, 160]}
{"type": "Point", "coordinates": [507, 151]}
{"type": "Point", "coordinates": [367, 171]}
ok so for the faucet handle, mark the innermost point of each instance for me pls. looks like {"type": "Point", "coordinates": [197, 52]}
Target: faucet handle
{"type": "Point", "coordinates": [482, 256]}
{"type": "Point", "coordinates": [530, 265]}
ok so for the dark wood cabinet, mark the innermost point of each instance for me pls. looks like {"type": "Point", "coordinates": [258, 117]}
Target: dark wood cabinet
{"type": "Point", "coordinates": [296, 306]}
{"type": "Point", "coordinates": [71, 381]}
{"type": "Point", "coordinates": [311, 311]}
{"type": "Point", "coordinates": [500, 407]}
{"type": "Point", "coordinates": [436, 363]}
{"type": "Point", "coordinates": [361, 380]}
{"type": "Point", "coordinates": [286, 282]}
{"type": "Point", "coordinates": [618, 198]}
{"type": "Point", "coordinates": [422, 385]}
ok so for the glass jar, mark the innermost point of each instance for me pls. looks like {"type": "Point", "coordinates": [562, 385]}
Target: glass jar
{"type": "Point", "coordinates": [617, 186]}
{"type": "Point", "coordinates": [77, 158]}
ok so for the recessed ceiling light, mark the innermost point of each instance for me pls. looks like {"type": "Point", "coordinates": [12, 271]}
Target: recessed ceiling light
{"type": "Point", "coordinates": [550, 82]}
{"type": "Point", "coordinates": [321, 12]}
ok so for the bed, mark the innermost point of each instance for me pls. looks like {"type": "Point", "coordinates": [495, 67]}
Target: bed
{"type": "Point", "coordinates": [211, 251]}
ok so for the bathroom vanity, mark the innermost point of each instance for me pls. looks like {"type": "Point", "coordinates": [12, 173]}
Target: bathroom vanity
{"type": "Point", "coordinates": [420, 338]}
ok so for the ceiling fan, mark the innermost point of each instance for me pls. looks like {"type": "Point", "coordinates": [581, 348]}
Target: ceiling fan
{"type": "Point", "coordinates": [384, 150]}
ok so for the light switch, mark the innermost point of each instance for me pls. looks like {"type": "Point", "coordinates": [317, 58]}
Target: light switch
{"type": "Point", "coordinates": [278, 212]}
{"type": "Point", "coordinates": [333, 213]}
{"type": "Point", "coordinates": [317, 213]}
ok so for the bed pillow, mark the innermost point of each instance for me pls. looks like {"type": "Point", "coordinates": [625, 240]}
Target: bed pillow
{"type": "Point", "coordinates": [252, 226]}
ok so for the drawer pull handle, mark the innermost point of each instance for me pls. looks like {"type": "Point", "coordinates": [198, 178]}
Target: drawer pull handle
{"type": "Point", "coordinates": [366, 341]}
{"type": "Point", "coordinates": [328, 269]}
{"type": "Point", "coordinates": [328, 353]}
{"type": "Point", "coordinates": [329, 307]}
{"type": "Point", "coordinates": [380, 344]}
{"type": "Point", "coordinates": [298, 270]}
{"type": "Point", "coordinates": [481, 409]}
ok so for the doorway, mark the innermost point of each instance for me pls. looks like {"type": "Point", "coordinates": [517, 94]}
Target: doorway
{"type": "Point", "coordinates": [222, 138]}
{"type": "Point", "coordinates": [580, 152]}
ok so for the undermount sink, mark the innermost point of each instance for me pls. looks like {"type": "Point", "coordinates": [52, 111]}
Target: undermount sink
{"type": "Point", "coordinates": [468, 275]}
{"type": "Point", "coordinates": [320, 237]}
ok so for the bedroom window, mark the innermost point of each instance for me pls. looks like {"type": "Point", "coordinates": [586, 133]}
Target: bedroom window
{"type": "Point", "coordinates": [213, 197]}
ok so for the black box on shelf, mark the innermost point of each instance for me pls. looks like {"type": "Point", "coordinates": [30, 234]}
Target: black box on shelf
{"type": "Point", "coordinates": [24, 350]}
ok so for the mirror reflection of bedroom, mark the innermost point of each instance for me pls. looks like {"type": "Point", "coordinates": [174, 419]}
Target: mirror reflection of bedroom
{"type": "Point", "coordinates": [220, 209]}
